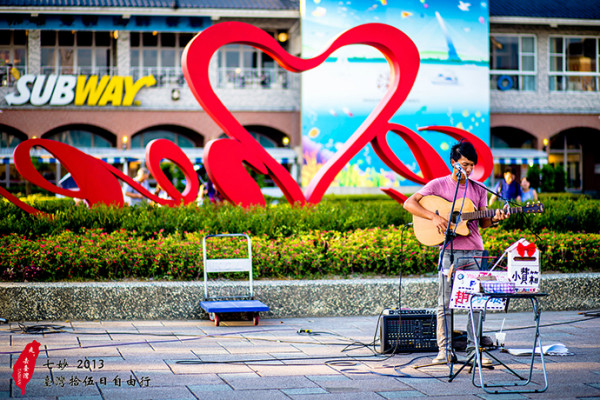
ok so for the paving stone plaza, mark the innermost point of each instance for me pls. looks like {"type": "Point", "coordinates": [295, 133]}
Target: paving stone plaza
{"type": "Point", "coordinates": [290, 358]}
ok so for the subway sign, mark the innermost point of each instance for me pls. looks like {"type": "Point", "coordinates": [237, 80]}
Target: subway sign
{"type": "Point", "coordinates": [79, 90]}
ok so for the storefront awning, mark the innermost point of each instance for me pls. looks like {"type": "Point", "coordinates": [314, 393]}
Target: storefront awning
{"type": "Point", "coordinates": [519, 156]}
{"type": "Point", "coordinates": [115, 156]}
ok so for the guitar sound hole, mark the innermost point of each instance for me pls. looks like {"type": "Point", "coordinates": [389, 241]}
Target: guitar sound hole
{"type": "Point", "coordinates": [454, 219]}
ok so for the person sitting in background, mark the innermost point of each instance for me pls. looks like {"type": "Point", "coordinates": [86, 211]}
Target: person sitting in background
{"type": "Point", "coordinates": [508, 188]}
{"type": "Point", "coordinates": [527, 193]}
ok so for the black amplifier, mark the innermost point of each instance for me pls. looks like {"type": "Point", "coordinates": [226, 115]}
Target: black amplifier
{"type": "Point", "coordinates": [408, 331]}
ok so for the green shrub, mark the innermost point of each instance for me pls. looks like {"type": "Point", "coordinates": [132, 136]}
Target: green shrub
{"type": "Point", "coordinates": [547, 178]}
{"type": "Point", "coordinates": [273, 221]}
{"type": "Point", "coordinates": [560, 215]}
{"type": "Point", "coordinates": [564, 212]}
{"type": "Point", "coordinates": [533, 176]}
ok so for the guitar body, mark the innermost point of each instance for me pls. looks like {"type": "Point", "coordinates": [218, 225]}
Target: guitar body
{"type": "Point", "coordinates": [427, 233]}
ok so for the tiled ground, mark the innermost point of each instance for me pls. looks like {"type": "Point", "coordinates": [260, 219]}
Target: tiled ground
{"type": "Point", "coordinates": [196, 360]}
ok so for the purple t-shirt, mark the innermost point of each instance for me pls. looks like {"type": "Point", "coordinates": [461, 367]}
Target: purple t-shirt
{"type": "Point", "coordinates": [445, 187]}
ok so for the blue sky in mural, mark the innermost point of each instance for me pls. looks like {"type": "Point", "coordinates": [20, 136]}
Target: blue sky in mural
{"type": "Point", "coordinates": [452, 87]}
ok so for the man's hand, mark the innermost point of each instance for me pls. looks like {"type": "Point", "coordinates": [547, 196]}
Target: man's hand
{"type": "Point", "coordinates": [440, 223]}
{"type": "Point", "coordinates": [501, 214]}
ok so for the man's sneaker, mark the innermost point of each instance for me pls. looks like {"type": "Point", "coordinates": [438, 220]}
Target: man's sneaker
{"type": "Point", "coordinates": [441, 358]}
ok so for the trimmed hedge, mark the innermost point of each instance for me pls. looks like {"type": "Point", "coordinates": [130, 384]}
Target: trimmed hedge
{"type": "Point", "coordinates": [338, 237]}
{"type": "Point", "coordinates": [577, 214]}
{"type": "Point", "coordinates": [97, 255]}
{"type": "Point", "coordinates": [273, 221]}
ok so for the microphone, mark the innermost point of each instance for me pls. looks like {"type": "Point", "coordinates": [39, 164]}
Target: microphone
{"type": "Point", "coordinates": [459, 168]}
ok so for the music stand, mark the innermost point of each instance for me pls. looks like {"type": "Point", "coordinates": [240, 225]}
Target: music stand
{"type": "Point", "coordinates": [493, 388]}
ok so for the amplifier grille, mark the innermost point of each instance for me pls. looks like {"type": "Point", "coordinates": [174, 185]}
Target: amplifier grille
{"type": "Point", "coordinates": [408, 331]}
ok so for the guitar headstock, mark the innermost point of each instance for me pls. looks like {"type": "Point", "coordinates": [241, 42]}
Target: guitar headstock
{"type": "Point", "coordinates": [533, 208]}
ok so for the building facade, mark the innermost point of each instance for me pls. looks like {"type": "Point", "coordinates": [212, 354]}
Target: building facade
{"type": "Point", "coordinates": [544, 81]}
{"type": "Point", "coordinates": [66, 71]}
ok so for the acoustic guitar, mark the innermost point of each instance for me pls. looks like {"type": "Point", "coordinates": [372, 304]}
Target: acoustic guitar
{"type": "Point", "coordinates": [428, 234]}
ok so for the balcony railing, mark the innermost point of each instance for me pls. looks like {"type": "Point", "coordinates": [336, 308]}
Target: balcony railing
{"type": "Point", "coordinates": [100, 71]}
{"type": "Point", "coordinates": [254, 78]}
{"type": "Point", "coordinates": [227, 78]}
{"type": "Point", "coordinates": [165, 76]}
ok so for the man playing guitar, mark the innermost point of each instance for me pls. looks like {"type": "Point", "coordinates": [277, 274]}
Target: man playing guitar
{"type": "Point", "coordinates": [465, 248]}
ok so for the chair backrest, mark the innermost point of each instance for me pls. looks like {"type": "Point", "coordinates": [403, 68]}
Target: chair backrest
{"type": "Point", "coordinates": [216, 265]}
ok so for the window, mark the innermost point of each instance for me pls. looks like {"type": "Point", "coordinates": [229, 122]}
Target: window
{"type": "Point", "coordinates": [8, 140]}
{"type": "Point", "coordinates": [142, 139]}
{"type": "Point", "coordinates": [574, 64]}
{"type": "Point", "coordinates": [13, 56]}
{"type": "Point", "coordinates": [512, 62]}
{"type": "Point", "coordinates": [80, 138]}
{"type": "Point", "coordinates": [78, 53]}
{"type": "Point", "coordinates": [243, 66]}
{"type": "Point", "coordinates": [158, 54]}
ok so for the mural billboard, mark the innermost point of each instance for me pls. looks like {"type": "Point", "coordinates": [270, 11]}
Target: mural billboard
{"type": "Point", "coordinates": [451, 88]}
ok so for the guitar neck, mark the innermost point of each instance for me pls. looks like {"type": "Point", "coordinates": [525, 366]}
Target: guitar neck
{"type": "Point", "coordinates": [488, 213]}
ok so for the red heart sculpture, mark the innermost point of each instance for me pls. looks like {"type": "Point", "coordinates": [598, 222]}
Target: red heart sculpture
{"type": "Point", "coordinates": [224, 157]}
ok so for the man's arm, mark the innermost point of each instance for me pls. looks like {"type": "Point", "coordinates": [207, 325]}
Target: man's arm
{"type": "Point", "coordinates": [494, 197]}
{"type": "Point", "coordinates": [413, 206]}
{"type": "Point", "coordinates": [130, 192]}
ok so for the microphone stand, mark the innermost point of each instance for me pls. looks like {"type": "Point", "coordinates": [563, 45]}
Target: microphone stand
{"type": "Point", "coordinates": [449, 240]}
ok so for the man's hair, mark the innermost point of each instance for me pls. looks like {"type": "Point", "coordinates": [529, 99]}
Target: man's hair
{"type": "Point", "coordinates": [463, 149]}
{"type": "Point", "coordinates": [509, 169]}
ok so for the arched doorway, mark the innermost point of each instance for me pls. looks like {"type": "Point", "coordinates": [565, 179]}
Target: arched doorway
{"type": "Point", "coordinates": [503, 137]}
{"type": "Point", "coordinates": [9, 139]}
{"type": "Point", "coordinates": [575, 149]}
{"type": "Point", "coordinates": [86, 138]}
{"type": "Point", "coordinates": [515, 148]}
{"type": "Point", "coordinates": [268, 137]}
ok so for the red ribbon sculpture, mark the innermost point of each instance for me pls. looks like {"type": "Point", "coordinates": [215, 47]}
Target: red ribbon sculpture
{"type": "Point", "coordinates": [225, 159]}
